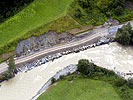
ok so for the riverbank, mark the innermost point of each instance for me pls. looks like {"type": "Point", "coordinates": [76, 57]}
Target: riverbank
{"type": "Point", "coordinates": [99, 31]}
{"type": "Point", "coordinates": [64, 72]}
{"type": "Point", "coordinates": [58, 54]}
{"type": "Point", "coordinates": [26, 85]}
{"type": "Point", "coordinates": [67, 70]}
{"type": "Point", "coordinates": [95, 91]}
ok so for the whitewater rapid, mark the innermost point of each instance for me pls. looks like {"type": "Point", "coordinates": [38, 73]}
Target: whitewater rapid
{"type": "Point", "coordinates": [25, 85]}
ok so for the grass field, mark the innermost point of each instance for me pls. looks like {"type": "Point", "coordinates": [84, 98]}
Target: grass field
{"type": "Point", "coordinates": [38, 13]}
{"type": "Point", "coordinates": [81, 89]}
{"type": "Point", "coordinates": [43, 15]}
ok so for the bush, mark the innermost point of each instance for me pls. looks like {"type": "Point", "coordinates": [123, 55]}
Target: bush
{"type": "Point", "coordinates": [111, 72]}
{"type": "Point", "coordinates": [62, 77]}
{"type": "Point", "coordinates": [118, 11]}
{"type": "Point", "coordinates": [83, 66]}
{"type": "Point", "coordinates": [84, 3]}
{"type": "Point", "coordinates": [70, 78]}
{"type": "Point", "coordinates": [11, 64]}
{"type": "Point", "coordinates": [130, 83]}
{"type": "Point", "coordinates": [120, 82]}
{"type": "Point", "coordinates": [69, 73]}
{"type": "Point", "coordinates": [117, 3]}
{"type": "Point", "coordinates": [53, 80]}
{"type": "Point", "coordinates": [78, 13]}
{"type": "Point", "coordinates": [124, 35]}
{"type": "Point", "coordinates": [90, 69]}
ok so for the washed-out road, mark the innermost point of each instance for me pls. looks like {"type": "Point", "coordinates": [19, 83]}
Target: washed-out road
{"type": "Point", "coordinates": [97, 32]}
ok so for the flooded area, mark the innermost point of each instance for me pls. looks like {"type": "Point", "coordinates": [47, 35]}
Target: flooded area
{"type": "Point", "coordinates": [25, 85]}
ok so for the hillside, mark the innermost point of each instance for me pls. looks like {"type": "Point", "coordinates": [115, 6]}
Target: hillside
{"type": "Point", "coordinates": [38, 13]}
{"type": "Point", "coordinates": [40, 16]}
{"type": "Point", "coordinates": [8, 8]}
{"type": "Point", "coordinates": [96, 12]}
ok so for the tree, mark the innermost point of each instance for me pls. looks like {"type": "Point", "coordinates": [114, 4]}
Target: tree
{"type": "Point", "coordinates": [78, 13]}
{"type": "Point", "coordinates": [84, 3]}
{"type": "Point", "coordinates": [120, 81]}
{"type": "Point", "coordinates": [53, 80]}
{"type": "Point", "coordinates": [118, 11]}
{"type": "Point", "coordinates": [9, 7]}
{"type": "Point", "coordinates": [85, 67]}
{"type": "Point", "coordinates": [130, 83]}
{"type": "Point", "coordinates": [90, 69]}
{"type": "Point", "coordinates": [124, 35]}
{"type": "Point", "coordinates": [129, 28]}
{"type": "Point", "coordinates": [117, 3]}
{"type": "Point", "coordinates": [11, 66]}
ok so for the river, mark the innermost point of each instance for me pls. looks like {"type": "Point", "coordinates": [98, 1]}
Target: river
{"type": "Point", "coordinates": [25, 85]}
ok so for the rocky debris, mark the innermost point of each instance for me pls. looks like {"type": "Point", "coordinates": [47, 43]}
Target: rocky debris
{"type": "Point", "coordinates": [52, 57]}
{"type": "Point", "coordinates": [111, 22]}
{"type": "Point", "coordinates": [46, 40]}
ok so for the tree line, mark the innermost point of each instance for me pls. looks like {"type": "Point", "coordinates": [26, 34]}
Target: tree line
{"type": "Point", "coordinates": [94, 11]}
{"type": "Point", "coordinates": [90, 70]}
{"type": "Point", "coordinates": [112, 7]}
{"type": "Point", "coordinates": [10, 7]}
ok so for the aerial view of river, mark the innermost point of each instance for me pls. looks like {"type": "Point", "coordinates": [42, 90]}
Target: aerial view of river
{"type": "Point", "coordinates": [25, 85]}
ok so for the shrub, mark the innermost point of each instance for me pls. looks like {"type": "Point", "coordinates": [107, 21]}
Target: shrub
{"type": "Point", "coordinates": [69, 73]}
{"type": "Point", "coordinates": [90, 69]}
{"type": "Point", "coordinates": [118, 11]}
{"type": "Point", "coordinates": [130, 83]}
{"type": "Point", "coordinates": [111, 72]}
{"type": "Point", "coordinates": [124, 34]}
{"type": "Point", "coordinates": [53, 80]}
{"type": "Point", "coordinates": [62, 77]}
{"type": "Point", "coordinates": [78, 13]}
{"type": "Point", "coordinates": [120, 82]}
{"type": "Point", "coordinates": [117, 3]}
{"type": "Point", "coordinates": [108, 14]}
{"type": "Point", "coordinates": [70, 78]}
{"type": "Point", "coordinates": [123, 89]}
{"type": "Point", "coordinates": [11, 64]}
{"type": "Point", "coordinates": [83, 66]}
{"type": "Point", "coordinates": [84, 3]}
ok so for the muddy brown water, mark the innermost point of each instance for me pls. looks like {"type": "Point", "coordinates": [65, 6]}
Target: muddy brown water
{"type": "Point", "coordinates": [25, 85]}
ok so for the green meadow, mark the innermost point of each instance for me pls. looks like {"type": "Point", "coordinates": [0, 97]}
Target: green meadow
{"type": "Point", "coordinates": [37, 14]}
{"type": "Point", "coordinates": [80, 89]}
